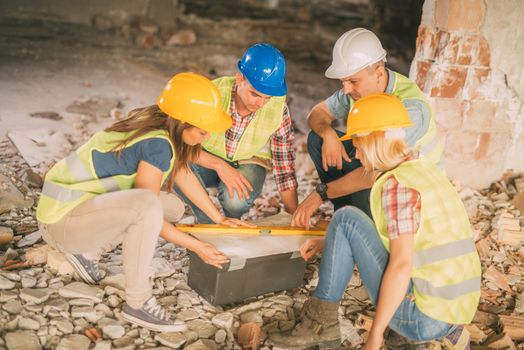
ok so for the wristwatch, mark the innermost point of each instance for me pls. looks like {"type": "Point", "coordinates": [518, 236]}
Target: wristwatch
{"type": "Point", "coordinates": [321, 189]}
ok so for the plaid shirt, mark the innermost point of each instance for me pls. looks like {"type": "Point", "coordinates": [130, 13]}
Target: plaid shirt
{"type": "Point", "coordinates": [401, 208]}
{"type": "Point", "coordinates": [281, 145]}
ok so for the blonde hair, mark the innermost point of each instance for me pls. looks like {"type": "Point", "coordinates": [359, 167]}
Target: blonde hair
{"type": "Point", "coordinates": [381, 153]}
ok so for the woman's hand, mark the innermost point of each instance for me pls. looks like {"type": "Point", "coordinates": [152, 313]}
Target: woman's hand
{"type": "Point", "coordinates": [211, 255]}
{"type": "Point", "coordinates": [374, 341]}
{"type": "Point", "coordinates": [235, 222]}
{"type": "Point", "coordinates": [310, 247]}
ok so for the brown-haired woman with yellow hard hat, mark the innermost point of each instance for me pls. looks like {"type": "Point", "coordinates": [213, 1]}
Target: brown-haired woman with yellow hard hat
{"type": "Point", "coordinates": [416, 257]}
{"type": "Point", "coordinates": [109, 189]}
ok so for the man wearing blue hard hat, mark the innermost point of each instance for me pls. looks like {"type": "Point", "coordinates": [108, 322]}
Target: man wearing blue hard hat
{"type": "Point", "coordinates": [260, 139]}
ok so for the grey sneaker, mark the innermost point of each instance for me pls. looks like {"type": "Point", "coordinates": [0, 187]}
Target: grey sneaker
{"type": "Point", "coordinates": [153, 317]}
{"type": "Point", "coordinates": [87, 269]}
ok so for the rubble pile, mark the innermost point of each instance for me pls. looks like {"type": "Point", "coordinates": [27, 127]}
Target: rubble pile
{"type": "Point", "coordinates": [141, 30]}
{"type": "Point", "coordinates": [43, 304]}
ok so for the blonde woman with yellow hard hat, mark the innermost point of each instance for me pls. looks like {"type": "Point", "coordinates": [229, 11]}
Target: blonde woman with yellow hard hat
{"type": "Point", "coordinates": [109, 189]}
{"type": "Point", "coordinates": [416, 256]}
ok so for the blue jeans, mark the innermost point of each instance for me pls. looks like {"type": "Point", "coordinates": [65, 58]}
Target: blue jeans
{"type": "Point", "coordinates": [352, 238]}
{"type": "Point", "coordinates": [233, 207]}
{"type": "Point", "coordinates": [358, 199]}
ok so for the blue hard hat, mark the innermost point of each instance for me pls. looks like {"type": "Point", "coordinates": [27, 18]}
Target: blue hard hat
{"type": "Point", "coordinates": [264, 67]}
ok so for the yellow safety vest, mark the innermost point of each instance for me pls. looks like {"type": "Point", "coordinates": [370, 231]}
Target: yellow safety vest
{"type": "Point", "coordinates": [405, 89]}
{"type": "Point", "coordinates": [446, 267]}
{"type": "Point", "coordinates": [73, 180]}
{"type": "Point", "coordinates": [255, 139]}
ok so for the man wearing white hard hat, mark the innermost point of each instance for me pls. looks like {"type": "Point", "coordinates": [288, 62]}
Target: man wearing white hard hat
{"type": "Point", "coordinates": [359, 63]}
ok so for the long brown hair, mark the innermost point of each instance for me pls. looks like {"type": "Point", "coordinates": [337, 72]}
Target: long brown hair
{"type": "Point", "coordinates": [147, 119]}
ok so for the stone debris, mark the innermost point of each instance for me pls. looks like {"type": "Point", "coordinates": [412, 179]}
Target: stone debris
{"type": "Point", "coordinates": [43, 304]}
{"type": "Point", "coordinates": [47, 115]}
{"type": "Point", "coordinates": [40, 147]}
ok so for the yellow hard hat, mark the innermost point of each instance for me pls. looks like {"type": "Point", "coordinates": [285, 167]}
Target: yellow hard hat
{"type": "Point", "coordinates": [376, 112]}
{"type": "Point", "coordinates": [193, 99]}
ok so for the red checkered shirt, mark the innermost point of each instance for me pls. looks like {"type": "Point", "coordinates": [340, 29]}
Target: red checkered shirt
{"type": "Point", "coordinates": [281, 145]}
{"type": "Point", "coordinates": [401, 208]}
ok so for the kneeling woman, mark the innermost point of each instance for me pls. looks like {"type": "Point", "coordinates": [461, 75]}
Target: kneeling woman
{"type": "Point", "coordinates": [416, 258]}
{"type": "Point", "coordinates": [109, 188]}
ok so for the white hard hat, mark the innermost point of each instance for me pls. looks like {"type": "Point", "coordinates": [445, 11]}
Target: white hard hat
{"type": "Point", "coordinates": [353, 51]}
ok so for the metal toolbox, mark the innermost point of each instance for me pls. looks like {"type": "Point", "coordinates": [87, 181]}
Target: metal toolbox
{"type": "Point", "coordinates": [258, 265]}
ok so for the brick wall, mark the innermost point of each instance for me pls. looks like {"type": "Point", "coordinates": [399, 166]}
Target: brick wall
{"type": "Point", "coordinates": [478, 111]}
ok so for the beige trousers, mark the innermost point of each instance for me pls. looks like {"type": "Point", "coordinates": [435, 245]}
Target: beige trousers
{"type": "Point", "coordinates": [133, 217]}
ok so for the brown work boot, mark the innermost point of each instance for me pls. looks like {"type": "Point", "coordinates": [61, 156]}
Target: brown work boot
{"type": "Point", "coordinates": [318, 327]}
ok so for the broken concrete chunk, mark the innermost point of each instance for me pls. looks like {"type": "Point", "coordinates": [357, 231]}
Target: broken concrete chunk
{"type": "Point", "coordinates": [11, 197]}
{"type": "Point", "coordinates": [94, 106]}
{"type": "Point", "coordinates": [39, 146]}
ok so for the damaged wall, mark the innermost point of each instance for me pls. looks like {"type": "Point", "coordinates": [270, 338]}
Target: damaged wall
{"type": "Point", "coordinates": [469, 62]}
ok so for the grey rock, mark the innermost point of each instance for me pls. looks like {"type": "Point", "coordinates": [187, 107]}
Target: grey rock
{"type": "Point", "coordinates": [220, 336]}
{"type": "Point", "coordinates": [81, 290]}
{"type": "Point", "coordinates": [13, 306]}
{"type": "Point", "coordinates": [124, 342]}
{"type": "Point", "coordinates": [113, 331]}
{"type": "Point", "coordinates": [184, 300]}
{"type": "Point", "coordinates": [52, 342]}
{"type": "Point", "coordinates": [28, 323]}
{"type": "Point", "coordinates": [113, 300]}
{"type": "Point", "coordinates": [29, 239]}
{"type": "Point", "coordinates": [11, 197]}
{"type": "Point", "coordinates": [223, 320]}
{"type": "Point", "coordinates": [173, 340]}
{"type": "Point", "coordinates": [82, 302]}
{"type": "Point", "coordinates": [6, 284]}
{"type": "Point", "coordinates": [58, 304]}
{"type": "Point", "coordinates": [109, 290]}
{"type": "Point", "coordinates": [35, 296]}
{"type": "Point", "coordinates": [74, 342]}
{"type": "Point", "coordinates": [203, 328]}
{"type": "Point", "coordinates": [12, 276]}
{"type": "Point", "coordinates": [43, 331]}
{"type": "Point", "coordinates": [168, 300]}
{"type": "Point", "coordinates": [104, 309]}
{"type": "Point", "coordinates": [33, 307]}
{"type": "Point", "coordinates": [103, 345]}
{"type": "Point", "coordinates": [7, 295]}
{"type": "Point", "coordinates": [187, 315]}
{"type": "Point", "coordinates": [85, 312]}
{"type": "Point", "coordinates": [191, 336]}
{"type": "Point", "coordinates": [249, 307]}
{"type": "Point", "coordinates": [63, 325]}
{"type": "Point", "coordinates": [28, 282]}
{"type": "Point", "coordinates": [22, 340]}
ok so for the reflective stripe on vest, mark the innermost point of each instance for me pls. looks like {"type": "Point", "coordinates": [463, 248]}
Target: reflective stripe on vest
{"type": "Point", "coordinates": [255, 139]}
{"type": "Point", "coordinates": [449, 292]}
{"type": "Point", "coordinates": [60, 193]}
{"type": "Point", "coordinates": [443, 252]}
{"type": "Point", "coordinates": [446, 269]}
{"type": "Point", "coordinates": [71, 181]}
